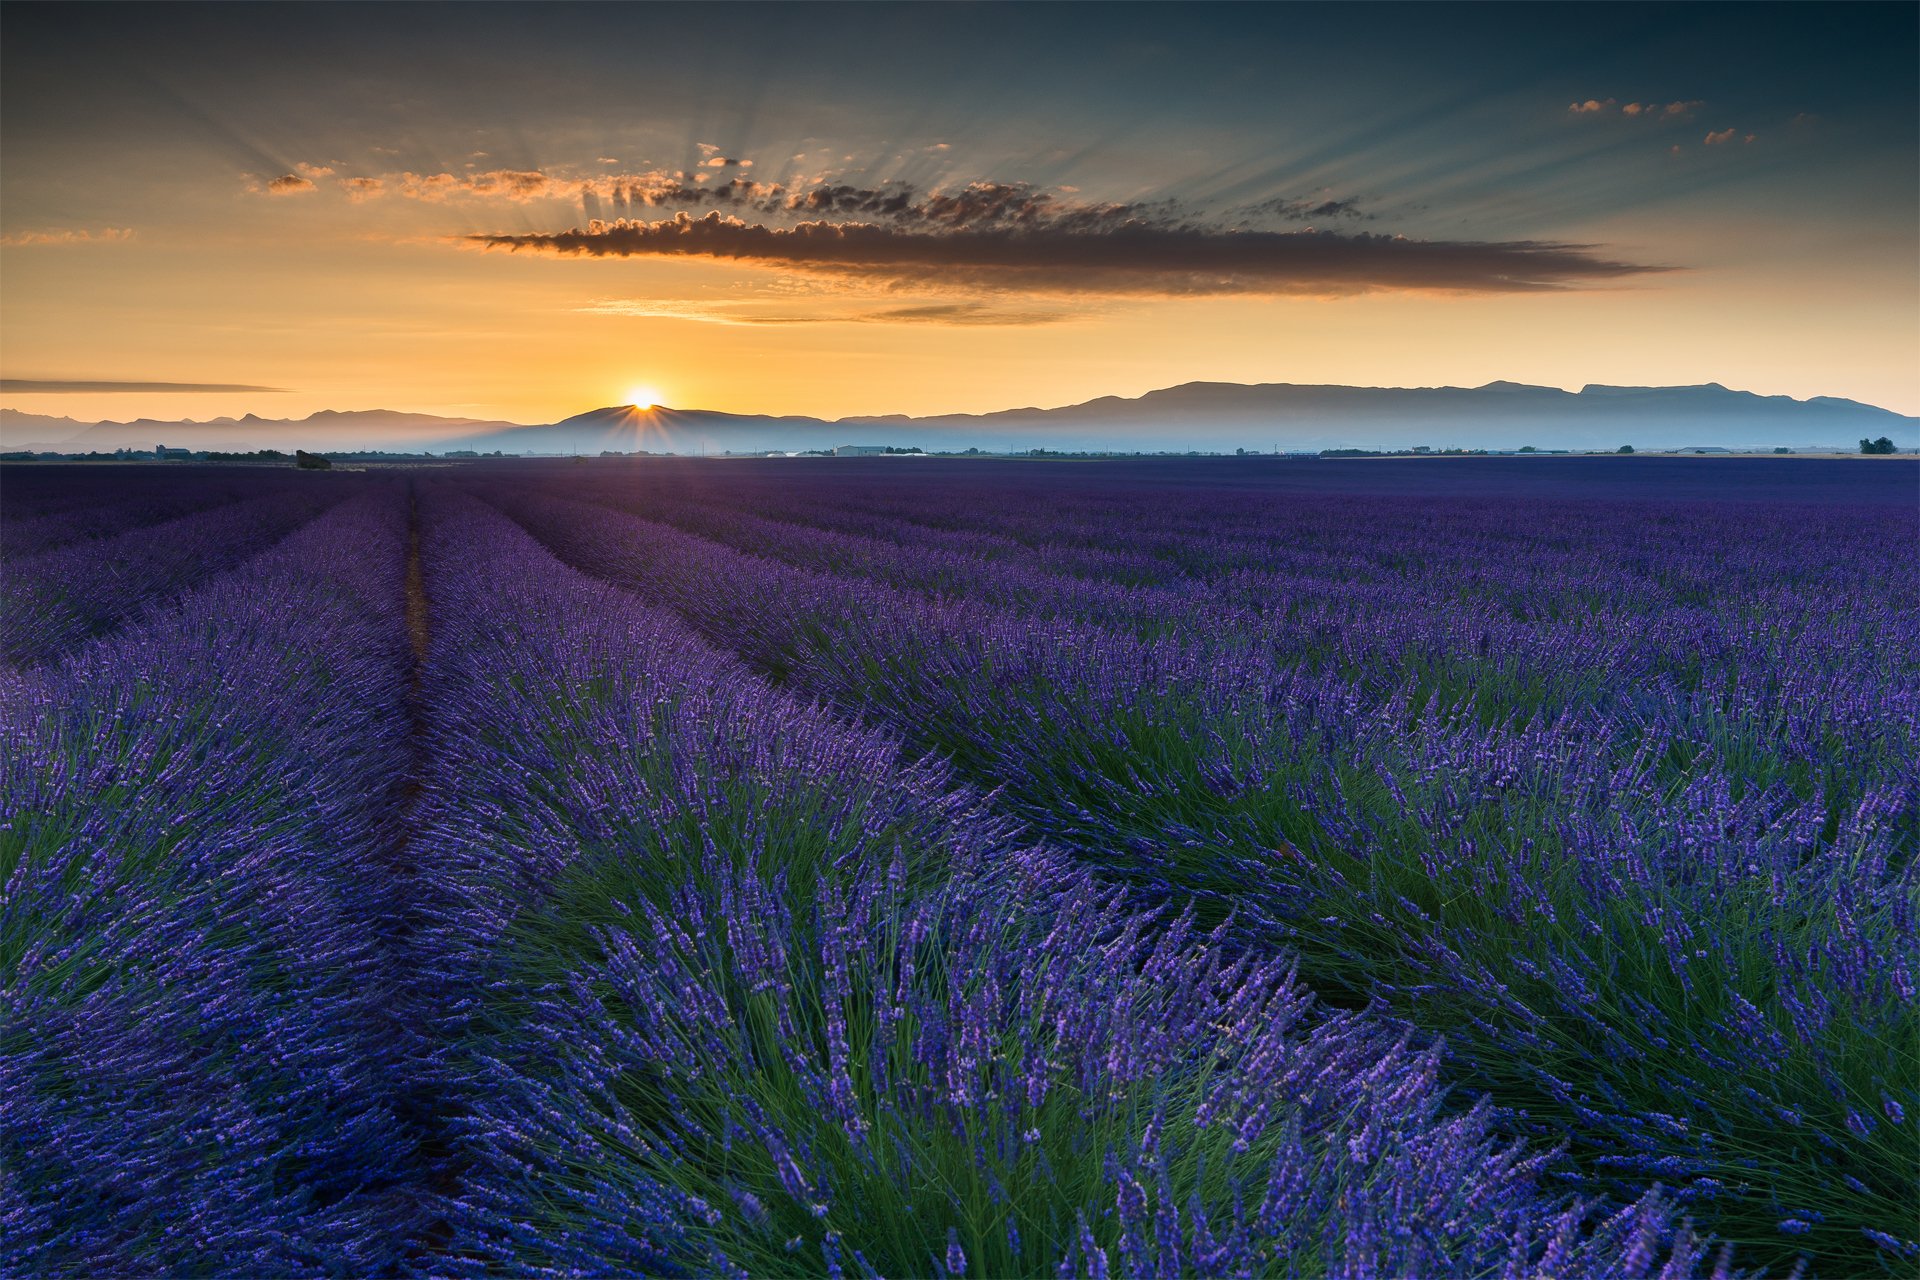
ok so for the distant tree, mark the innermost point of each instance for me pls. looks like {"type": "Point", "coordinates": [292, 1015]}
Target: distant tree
{"type": "Point", "coordinates": [1782, 449]}
{"type": "Point", "coordinates": [1527, 448]}
{"type": "Point", "coordinates": [1882, 445]}
{"type": "Point", "coordinates": [1625, 448]}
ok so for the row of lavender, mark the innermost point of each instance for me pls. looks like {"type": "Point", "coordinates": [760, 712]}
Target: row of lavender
{"type": "Point", "coordinates": [223, 1016]}
{"type": "Point", "coordinates": [206, 1064]}
{"type": "Point", "coordinates": [139, 553]}
{"type": "Point", "coordinates": [692, 976]}
{"type": "Point", "coordinates": [696, 977]}
{"type": "Point", "coordinates": [44, 513]}
{"type": "Point", "coordinates": [748, 991]}
{"type": "Point", "coordinates": [1612, 795]}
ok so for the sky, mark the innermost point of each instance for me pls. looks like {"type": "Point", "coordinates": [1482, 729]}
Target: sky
{"type": "Point", "coordinates": [520, 212]}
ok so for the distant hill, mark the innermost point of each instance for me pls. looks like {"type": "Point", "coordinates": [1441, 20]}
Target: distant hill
{"type": "Point", "coordinates": [1220, 415]}
{"type": "Point", "coordinates": [1211, 416]}
{"type": "Point", "coordinates": [625, 429]}
{"type": "Point", "coordinates": [1226, 415]}
{"type": "Point", "coordinates": [327, 429]}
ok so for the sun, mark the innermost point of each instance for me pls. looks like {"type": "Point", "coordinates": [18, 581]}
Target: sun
{"type": "Point", "coordinates": [642, 398]}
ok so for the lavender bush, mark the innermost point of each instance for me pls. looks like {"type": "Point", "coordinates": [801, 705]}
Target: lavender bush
{"type": "Point", "coordinates": [1606, 834]}
{"type": "Point", "coordinates": [916, 868]}
{"type": "Point", "coordinates": [113, 508]}
{"type": "Point", "coordinates": [200, 1066]}
{"type": "Point", "coordinates": [52, 601]}
{"type": "Point", "coordinates": [753, 994]}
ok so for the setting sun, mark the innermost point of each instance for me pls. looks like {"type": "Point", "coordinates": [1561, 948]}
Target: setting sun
{"type": "Point", "coordinates": [643, 397]}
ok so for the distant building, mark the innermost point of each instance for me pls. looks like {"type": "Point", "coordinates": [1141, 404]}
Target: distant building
{"type": "Point", "coordinates": [859, 450]}
{"type": "Point", "coordinates": [162, 452]}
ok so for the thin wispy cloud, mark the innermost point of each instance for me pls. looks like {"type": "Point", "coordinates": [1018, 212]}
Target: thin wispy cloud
{"type": "Point", "coordinates": [752, 315]}
{"type": "Point", "coordinates": [63, 386]}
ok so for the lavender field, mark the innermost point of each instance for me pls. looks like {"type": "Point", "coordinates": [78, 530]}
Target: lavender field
{"type": "Point", "coordinates": [918, 868]}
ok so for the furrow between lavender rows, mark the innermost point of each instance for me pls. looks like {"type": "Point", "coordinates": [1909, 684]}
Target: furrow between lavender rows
{"type": "Point", "coordinates": [736, 986]}
{"type": "Point", "coordinates": [206, 1004]}
{"type": "Point", "coordinates": [1554, 895]}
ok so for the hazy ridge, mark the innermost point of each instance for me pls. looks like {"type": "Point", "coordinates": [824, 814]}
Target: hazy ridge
{"type": "Point", "coordinates": [1209, 416]}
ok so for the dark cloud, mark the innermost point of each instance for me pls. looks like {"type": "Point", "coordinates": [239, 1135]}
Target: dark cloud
{"type": "Point", "coordinates": [997, 235]}
{"type": "Point", "coordinates": [1289, 209]}
{"type": "Point", "coordinates": [976, 205]}
{"type": "Point", "coordinates": [41, 387]}
{"type": "Point", "coordinates": [1069, 254]}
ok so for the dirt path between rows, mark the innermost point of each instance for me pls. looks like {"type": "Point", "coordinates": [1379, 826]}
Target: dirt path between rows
{"type": "Point", "coordinates": [422, 1107]}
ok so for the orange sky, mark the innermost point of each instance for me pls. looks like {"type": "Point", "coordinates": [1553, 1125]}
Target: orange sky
{"type": "Point", "coordinates": [190, 268]}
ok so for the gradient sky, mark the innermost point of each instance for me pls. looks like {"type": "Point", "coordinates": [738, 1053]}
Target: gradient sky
{"type": "Point", "coordinates": [521, 212]}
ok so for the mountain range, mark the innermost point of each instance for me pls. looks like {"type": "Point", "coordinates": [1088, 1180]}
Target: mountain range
{"type": "Point", "coordinates": [1207, 416]}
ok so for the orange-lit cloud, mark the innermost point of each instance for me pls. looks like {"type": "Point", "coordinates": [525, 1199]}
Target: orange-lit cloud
{"type": "Point", "coordinates": [1664, 111]}
{"type": "Point", "coordinates": [1677, 110]}
{"type": "Point", "coordinates": [289, 184]}
{"type": "Point", "coordinates": [518, 185]}
{"type": "Point", "coordinates": [63, 236]}
{"type": "Point", "coordinates": [1718, 137]}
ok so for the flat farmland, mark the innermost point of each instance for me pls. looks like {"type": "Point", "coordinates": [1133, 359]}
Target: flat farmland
{"type": "Point", "coordinates": [907, 867]}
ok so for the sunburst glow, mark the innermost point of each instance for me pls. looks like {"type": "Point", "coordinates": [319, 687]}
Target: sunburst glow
{"type": "Point", "coordinates": [642, 397]}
